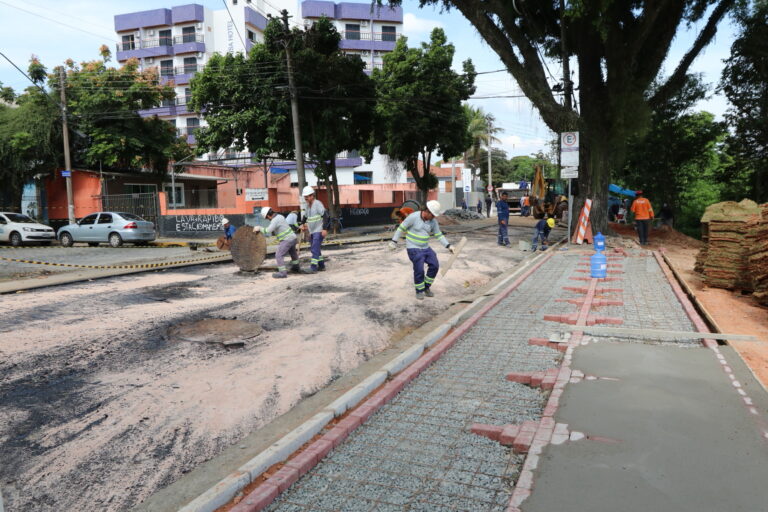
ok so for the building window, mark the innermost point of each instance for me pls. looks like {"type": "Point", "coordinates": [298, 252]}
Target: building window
{"type": "Point", "coordinates": [129, 43]}
{"type": "Point", "coordinates": [139, 188]}
{"type": "Point", "coordinates": [363, 178]}
{"type": "Point", "coordinates": [174, 194]}
{"type": "Point", "coordinates": [193, 123]}
{"type": "Point", "coordinates": [388, 33]}
{"type": "Point", "coordinates": [187, 95]}
{"type": "Point", "coordinates": [190, 65]}
{"type": "Point", "coordinates": [188, 35]}
{"type": "Point", "coordinates": [166, 68]}
{"type": "Point", "coordinates": [168, 102]}
{"type": "Point", "coordinates": [165, 38]}
{"type": "Point", "coordinates": [251, 36]}
{"type": "Point", "coordinates": [352, 31]}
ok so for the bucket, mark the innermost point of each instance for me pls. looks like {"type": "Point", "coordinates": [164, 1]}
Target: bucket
{"type": "Point", "coordinates": [598, 265]}
{"type": "Point", "coordinates": [599, 242]}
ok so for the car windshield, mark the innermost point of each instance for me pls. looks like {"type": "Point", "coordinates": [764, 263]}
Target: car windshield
{"type": "Point", "coordinates": [17, 217]}
{"type": "Point", "coordinates": [129, 216]}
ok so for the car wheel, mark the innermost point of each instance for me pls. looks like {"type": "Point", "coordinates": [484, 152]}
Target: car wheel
{"type": "Point", "coordinates": [15, 239]}
{"type": "Point", "coordinates": [93, 244]}
{"type": "Point", "coordinates": [115, 240]}
{"type": "Point", "coordinates": [66, 240]}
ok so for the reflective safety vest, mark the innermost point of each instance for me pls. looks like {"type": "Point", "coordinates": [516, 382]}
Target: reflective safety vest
{"type": "Point", "coordinates": [418, 232]}
{"type": "Point", "coordinates": [279, 226]}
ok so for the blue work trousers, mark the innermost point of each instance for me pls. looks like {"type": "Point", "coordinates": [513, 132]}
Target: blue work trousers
{"type": "Point", "coordinates": [315, 241]}
{"type": "Point", "coordinates": [539, 235]}
{"type": "Point", "coordinates": [286, 247]}
{"type": "Point", "coordinates": [503, 233]}
{"type": "Point", "coordinates": [420, 257]}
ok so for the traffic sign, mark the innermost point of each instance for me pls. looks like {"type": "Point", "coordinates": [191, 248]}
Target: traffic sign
{"type": "Point", "coordinates": [569, 172]}
{"type": "Point", "coordinates": [489, 188]}
{"type": "Point", "coordinates": [569, 149]}
{"type": "Point", "coordinates": [66, 174]}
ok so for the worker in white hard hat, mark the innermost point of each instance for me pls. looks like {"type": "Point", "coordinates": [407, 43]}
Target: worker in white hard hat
{"type": "Point", "coordinates": [286, 241]}
{"type": "Point", "coordinates": [418, 227]}
{"type": "Point", "coordinates": [316, 223]}
{"type": "Point", "coordinates": [229, 229]}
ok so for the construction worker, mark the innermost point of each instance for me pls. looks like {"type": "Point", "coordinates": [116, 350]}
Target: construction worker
{"type": "Point", "coordinates": [542, 229]}
{"type": "Point", "coordinates": [316, 224]}
{"type": "Point", "coordinates": [286, 238]}
{"type": "Point", "coordinates": [418, 228]}
{"type": "Point", "coordinates": [293, 220]}
{"type": "Point", "coordinates": [525, 206]}
{"type": "Point", "coordinates": [229, 229]}
{"type": "Point", "coordinates": [502, 212]}
{"type": "Point", "coordinates": [643, 211]}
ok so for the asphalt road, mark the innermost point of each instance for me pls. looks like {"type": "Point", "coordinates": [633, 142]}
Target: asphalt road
{"type": "Point", "coordinates": [84, 255]}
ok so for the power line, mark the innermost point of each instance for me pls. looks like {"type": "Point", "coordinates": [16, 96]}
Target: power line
{"type": "Point", "coordinates": [45, 93]}
{"type": "Point", "coordinates": [234, 24]}
{"type": "Point", "coordinates": [102, 37]}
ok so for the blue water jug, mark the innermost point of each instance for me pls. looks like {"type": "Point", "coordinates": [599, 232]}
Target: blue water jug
{"type": "Point", "coordinates": [599, 242]}
{"type": "Point", "coordinates": [598, 264]}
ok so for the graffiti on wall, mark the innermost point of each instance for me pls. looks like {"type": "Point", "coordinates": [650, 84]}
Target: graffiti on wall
{"type": "Point", "coordinates": [198, 222]}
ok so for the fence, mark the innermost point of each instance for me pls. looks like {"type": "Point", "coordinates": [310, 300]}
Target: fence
{"type": "Point", "coordinates": [143, 205]}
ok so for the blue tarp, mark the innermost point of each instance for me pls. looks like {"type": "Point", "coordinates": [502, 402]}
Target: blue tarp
{"type": "Point", "coordinates": [615, 189]}
{"type": "Point", "coordinates": [278, 170]}
{"type": "Point", "coordinates": [360, 177]}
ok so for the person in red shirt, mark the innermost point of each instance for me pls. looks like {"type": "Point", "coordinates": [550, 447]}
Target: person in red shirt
{"type": "Point", "coordinates": [643, 212]}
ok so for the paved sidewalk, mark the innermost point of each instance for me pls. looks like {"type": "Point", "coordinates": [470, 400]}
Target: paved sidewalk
{"type": "Point", "coordinates": [673, 409]}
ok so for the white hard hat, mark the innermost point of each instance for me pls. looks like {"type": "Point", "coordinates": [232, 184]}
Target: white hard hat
{"type": "Point", "coordinates": [433, 207]}
{"type": "Point", "coordinates": [265, 211]}
{"type": "Point", "coordinates": [224, 220]}
{"type": "Point", "coordinates": [308, 191]}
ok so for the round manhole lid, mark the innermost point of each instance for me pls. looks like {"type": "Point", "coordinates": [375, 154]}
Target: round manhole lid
{"type": "Point", "coordinates": [215, 330]}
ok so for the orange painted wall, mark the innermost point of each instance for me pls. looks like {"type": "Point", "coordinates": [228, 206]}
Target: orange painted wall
{"type": "Point", "coordinates": [86, 194]}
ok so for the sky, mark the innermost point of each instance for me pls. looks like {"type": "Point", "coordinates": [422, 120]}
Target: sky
{"type": "Point", "coordinates": [57, 30]}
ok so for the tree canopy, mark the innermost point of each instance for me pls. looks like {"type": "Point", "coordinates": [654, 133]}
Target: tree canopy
{"type": "Point", "coordinates": [245, 100]}
{"type": "Point", "coordinates": [619, 46]}
{"type": "Point", "coordinates": [419, 106]}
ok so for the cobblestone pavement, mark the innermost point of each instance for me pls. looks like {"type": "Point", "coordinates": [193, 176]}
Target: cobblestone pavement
{"type": "Point", "coordinates": [417, 452]}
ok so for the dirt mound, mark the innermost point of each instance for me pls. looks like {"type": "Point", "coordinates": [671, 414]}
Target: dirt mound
{"type": "Point", "coordinates": [459, 214]}
{"type": "Point", "coordinates": [663, 235]}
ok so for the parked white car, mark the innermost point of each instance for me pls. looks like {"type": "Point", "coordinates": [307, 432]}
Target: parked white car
{"type": "Point", "coordinates": [18, 229]}
{"type": "Point", "coordinates": [113, 228]}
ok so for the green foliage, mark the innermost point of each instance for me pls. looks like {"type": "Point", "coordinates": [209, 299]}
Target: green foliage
{"type": "Point", "coordinates": [481, 130]}
{"type": "Point", "coordinates": [103, 104]}
{"type": "Point", "coordinates": [419, 108]}
{"type": "Point", "coordinates": [679, 160]}
{"type": "Point", "coordinates": [745, 83]}
{"type": "Point", "coordinates": [246, 103]}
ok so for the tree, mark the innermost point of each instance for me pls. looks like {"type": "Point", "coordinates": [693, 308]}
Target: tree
{"type": "Point", "coordinates": [245, 103]}
{"type": "Point", "coordinates": [619, 46]}
{"type": "Point", "coordinates": [103, 104]}
{"type": "Point", "coordinates": [481, 130]}
{"type": "Point", "coordinates": [745, 83]}
{"type": "Point", "coordinates": [419, 106]}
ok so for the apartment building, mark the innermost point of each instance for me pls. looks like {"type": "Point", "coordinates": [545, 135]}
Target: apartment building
{"type": "Point", "coordinates": [178, 41]}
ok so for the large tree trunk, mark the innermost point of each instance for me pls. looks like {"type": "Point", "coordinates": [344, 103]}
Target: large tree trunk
{"type": "Point", "coordinates": [335, 206]}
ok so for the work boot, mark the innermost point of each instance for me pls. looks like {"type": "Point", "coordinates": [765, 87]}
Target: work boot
{"type": "Point", "coordinates": [279, 275]}
{"type": "Point", "coordinates": [428, 293]}
{"type": "Point", "coordinates": [419, 295]}
{"type": "Point", "coordinates": [310, 270]}
{"type": "Point", "coordinates": [321, 268]}
{"type": "Point", "coordinates": [295, 268]}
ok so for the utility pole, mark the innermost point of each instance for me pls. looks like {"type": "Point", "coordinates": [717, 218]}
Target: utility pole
{"type": "Point", "coordinates": [294, 110]}
{"type": "Point", "coordinates": [453, 181]}
{"type": "Point", "coordinates": [490, 185]}
{"type": "Point", "coordinates": [568, 91]}
{"type": "Point", "coordinates": [67, 160]}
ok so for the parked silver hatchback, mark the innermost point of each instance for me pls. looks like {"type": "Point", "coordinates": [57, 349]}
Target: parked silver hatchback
{"type": "Point", "coordinates": [113, 228]}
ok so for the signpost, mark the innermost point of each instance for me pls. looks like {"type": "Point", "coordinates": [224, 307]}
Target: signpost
{"type": "Point", "coordinates": [569, 167]}
{"type": "Point", "coordinates": [66, 174]}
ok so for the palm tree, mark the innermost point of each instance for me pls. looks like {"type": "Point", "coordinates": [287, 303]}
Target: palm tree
{"type": "Point", "coordinates": [481, 131]}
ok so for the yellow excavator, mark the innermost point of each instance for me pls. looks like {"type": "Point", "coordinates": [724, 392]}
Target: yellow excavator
{"type": "Point", "coordinates": [546, 196]}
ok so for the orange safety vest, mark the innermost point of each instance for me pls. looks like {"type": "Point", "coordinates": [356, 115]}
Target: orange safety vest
{"type": "Point", "coordinates": [642, 209]}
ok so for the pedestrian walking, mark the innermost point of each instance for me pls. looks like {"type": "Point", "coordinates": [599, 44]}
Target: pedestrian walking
{"type": "Point", "coordinates": [418, 227]}
{"type": "Point", "coordinates": [488, 203]}
{"type": "Point", "coordinates": [286, 238]}
{"type": "Point", "coordinates": [643, 212]}
{"type": "Point", "coordinates": [666, 215]}
{"type": "Point", "coordinates": [316, 224]}
{"type": "Point", "coordinates": [541, 233]}
{"type": "Point", "coordinates": [502, 213]}
{"type": "Point", "coordinates": [480, 206]}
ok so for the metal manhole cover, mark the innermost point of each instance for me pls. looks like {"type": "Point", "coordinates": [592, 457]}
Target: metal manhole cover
{"type": "Point", "coordinates": [229, 333]}
{"type": "Point", "coordinates": [248, 249]}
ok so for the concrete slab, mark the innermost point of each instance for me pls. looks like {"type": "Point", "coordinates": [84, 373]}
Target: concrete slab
{"type": "Point", "coordinates": [686, 440]}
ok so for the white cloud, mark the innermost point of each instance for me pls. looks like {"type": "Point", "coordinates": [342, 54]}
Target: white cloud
{"type": "Point", "coordinates": [413, 26]}
{"type": "Point", "coordinates": [516, 145]}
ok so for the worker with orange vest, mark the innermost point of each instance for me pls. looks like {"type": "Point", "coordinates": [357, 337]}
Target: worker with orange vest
{"type": "Point", "coordinates": [643, 212]}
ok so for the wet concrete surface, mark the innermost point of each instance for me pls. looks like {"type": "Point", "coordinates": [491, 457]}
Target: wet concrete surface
{"type": "Point", "coordinates": [684, 439]}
